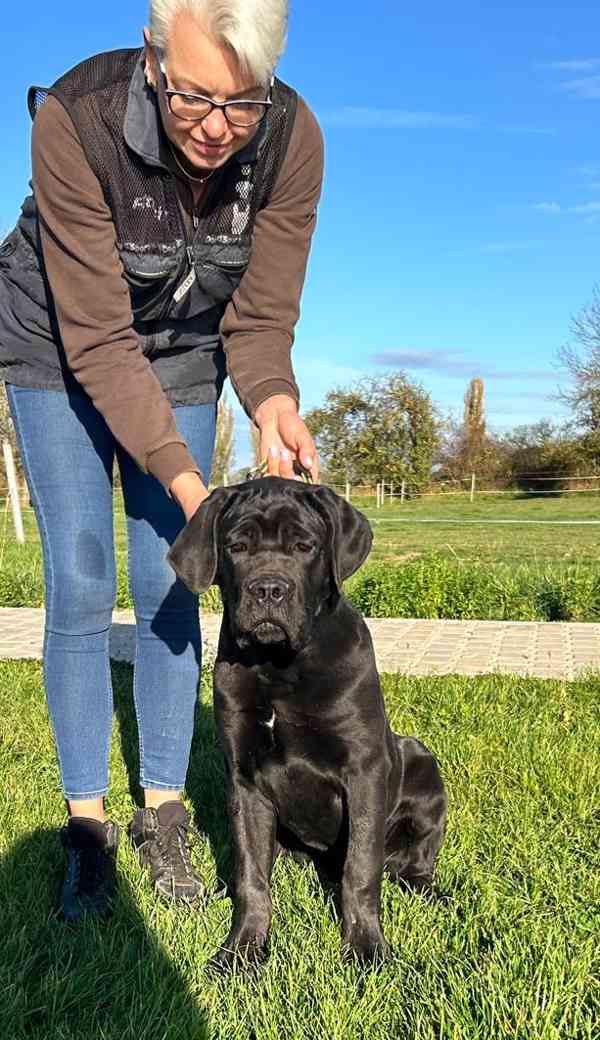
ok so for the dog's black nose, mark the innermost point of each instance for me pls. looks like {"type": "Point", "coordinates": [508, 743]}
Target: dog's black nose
{"type": "Point", "coordinates": [266, 590]}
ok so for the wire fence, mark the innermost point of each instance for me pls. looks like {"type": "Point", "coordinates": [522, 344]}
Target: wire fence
{"type": "Point", "coordinates": [387, 491]}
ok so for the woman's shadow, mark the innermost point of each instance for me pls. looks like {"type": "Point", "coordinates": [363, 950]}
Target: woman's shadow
{"type": "Point", "coordinates": [110, 979]}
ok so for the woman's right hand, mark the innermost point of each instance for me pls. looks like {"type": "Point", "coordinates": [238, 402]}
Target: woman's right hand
{"type": "Point", "coordinates": [189, 490]}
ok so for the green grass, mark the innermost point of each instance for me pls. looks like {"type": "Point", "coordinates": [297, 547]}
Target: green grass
{"type": "Point", "coordinates": [483, 541]}
{"type": "Point", "coordinates": [514, 955]}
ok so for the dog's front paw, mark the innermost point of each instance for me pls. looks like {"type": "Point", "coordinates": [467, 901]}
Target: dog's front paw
{"type": "Point", "coordinates": [367, 944]}
{"type": "Point", "coordinates": [246, 951]}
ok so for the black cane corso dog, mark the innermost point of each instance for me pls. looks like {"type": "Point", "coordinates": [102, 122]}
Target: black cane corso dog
{"type": "Point", "coordinates": [313, 766]}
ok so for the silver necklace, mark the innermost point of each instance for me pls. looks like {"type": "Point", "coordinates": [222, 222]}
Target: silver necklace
{"type": "Point", "coordinates": [197, 180]}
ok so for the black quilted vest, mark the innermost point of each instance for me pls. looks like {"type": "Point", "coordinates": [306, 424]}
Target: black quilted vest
{"type": "Point", "coordinates": [118, 123]}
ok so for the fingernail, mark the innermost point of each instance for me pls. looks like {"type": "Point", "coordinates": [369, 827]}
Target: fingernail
{"type": "Point", "coordinates": [285, 454]}
{"type": "Point", "coordinates": [308, 460]}
{"type": "Point", "coordinates": [273, 451]}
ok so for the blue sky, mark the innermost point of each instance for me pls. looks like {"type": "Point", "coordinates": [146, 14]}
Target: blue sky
{"type": "Point", "coordinates": [459, 228]}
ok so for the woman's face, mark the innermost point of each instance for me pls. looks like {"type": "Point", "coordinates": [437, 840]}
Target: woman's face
{"type": "Point", "coordinates": [196, 63]}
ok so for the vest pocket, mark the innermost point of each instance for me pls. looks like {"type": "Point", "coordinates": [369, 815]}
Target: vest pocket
{"type": "Point", "coordinates": [221, 268]}
{"type": "Point", "coordinates": [150, 290]}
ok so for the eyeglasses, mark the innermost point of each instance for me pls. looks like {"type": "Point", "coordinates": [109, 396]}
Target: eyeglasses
{"type": "Point", "coordinates": [192, 108]}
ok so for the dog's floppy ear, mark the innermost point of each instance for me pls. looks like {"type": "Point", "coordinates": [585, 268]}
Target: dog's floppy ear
{"type": "Point", "coordinates": [193, 555]}
{"type": "Point", "coordinates": [351, 534]}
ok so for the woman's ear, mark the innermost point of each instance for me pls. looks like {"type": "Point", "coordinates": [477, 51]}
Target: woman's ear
{"type": "Point", "coordinates": [148, 70]}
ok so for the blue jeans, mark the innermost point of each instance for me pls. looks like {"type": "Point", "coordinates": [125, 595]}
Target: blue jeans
{"type": "Point", "coordinates": [67, 452]}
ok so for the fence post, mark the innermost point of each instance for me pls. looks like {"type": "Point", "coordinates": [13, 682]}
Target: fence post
{"type": "Point", "coordinates": [347, 491]}
{"type": "Point", "coordinates": [13, 490]}
{"type": "Point", "coordinates": [391, 493]}
{"type": "Point", "coordinates": [472, 486]}
{"type": "Point", "coordinates": [402, 490]}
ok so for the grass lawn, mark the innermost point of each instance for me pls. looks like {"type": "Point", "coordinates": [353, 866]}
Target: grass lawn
{"type": "Point", "coordinates": [470, 531]}
{"type": "Point", "coordinates": [514, 955]}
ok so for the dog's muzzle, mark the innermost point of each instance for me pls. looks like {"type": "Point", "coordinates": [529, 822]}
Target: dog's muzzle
{"type": "Point", "coordinates": [267, 608]}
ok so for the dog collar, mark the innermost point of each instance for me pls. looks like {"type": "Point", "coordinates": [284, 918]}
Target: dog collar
{"type": "Point", "coordinates": [261, 471]}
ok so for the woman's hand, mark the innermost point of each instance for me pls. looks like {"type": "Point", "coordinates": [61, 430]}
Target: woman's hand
{"type": "Point", "coordinates": [285, 437]}
{"type": "Point", "coordinates": [189, 490]}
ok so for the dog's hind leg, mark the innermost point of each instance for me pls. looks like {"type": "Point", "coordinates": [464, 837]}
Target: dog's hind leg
{"type": "Point", "coordinates": [415, 829]}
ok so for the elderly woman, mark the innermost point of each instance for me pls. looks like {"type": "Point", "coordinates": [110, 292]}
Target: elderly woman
{"type": "Point", "coordinates": [164, 246]}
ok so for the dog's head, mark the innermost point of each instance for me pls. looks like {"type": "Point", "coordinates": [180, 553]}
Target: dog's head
{"type": "Point", "coordinates": [279, 551]}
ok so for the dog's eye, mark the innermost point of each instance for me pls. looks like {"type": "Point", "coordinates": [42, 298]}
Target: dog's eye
{"type": "Point", "coordinates": [303, 547]}
{"type": "Point", "coordinates": [238, 547]}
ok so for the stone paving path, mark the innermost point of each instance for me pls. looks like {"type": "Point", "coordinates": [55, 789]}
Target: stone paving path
{"type": "Point", "coordinates": [413, 647]}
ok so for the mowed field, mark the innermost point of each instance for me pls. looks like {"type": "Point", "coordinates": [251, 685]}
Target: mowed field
{"type": "Point", "coordinates": [505, 529]}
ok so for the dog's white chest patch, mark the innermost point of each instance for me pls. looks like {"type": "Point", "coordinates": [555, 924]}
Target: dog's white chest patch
{"type": "Point", "coordinates": [270, 722]}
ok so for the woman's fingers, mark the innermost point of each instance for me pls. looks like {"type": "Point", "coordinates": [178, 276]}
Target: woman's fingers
{"type": "Point", "coordinates": [283, 440]}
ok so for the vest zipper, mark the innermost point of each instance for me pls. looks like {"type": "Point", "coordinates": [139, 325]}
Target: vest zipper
{"type": "Point", "coordinates": [184, 286]}
{"type": "Point", "coordinates": [190, 246]}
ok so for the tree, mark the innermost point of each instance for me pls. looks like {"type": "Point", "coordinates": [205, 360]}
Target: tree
{"type": "Point", "coordinates": [583, 366]}
{"type": "Point", "coordinates": [467, 446]}
{"type": "Point", "coordinates": [224, 455]}
{"type": "Point", "coordinates": [474, 422]}
{"type": "Point", "coordinates": [254, 436]}
{"type": "Point", "coordinates": [378, 428]}
{"type": "Point", "coordinates": [542, 453]}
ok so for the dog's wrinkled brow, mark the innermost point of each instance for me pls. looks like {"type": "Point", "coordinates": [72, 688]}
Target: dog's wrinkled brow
{"type": "Point", "coordinates": [269, 521]}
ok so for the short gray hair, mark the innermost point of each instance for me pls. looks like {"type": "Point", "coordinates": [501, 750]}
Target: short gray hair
{"type": "Point", "coordinates": [255, 30]}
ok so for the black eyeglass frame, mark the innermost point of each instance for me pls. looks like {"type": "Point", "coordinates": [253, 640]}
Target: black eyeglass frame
{"type": "Point", "coordinates": [223, 105]}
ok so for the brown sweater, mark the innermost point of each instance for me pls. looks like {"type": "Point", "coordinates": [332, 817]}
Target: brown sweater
{"type": "Point", "coordinates": [92, 298]}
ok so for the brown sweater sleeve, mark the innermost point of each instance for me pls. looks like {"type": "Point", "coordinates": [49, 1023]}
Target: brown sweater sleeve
{"type": "Point", "coordinates": [92, 300]}
{"type": "Point", "coordinates": [258, 324]}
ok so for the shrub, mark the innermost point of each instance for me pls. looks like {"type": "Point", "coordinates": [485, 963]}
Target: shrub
{"type": "Point", "coordinates": [436, 587]}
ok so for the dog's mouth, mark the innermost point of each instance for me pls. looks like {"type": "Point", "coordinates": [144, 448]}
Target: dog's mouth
{"type": "Point", "coordinates": [269, 632]}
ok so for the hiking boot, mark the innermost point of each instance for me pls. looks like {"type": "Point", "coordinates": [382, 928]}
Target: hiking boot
{"type": "Point", "coordinates": [91, 880]}
{"type": "Point", "coordinates": [162, 840]}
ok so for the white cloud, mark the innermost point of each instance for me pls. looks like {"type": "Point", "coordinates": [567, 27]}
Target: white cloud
{"type": "Point", "coordinates": [583, 65]}
{"type": "Point", "coordinates": [584, 209]}
{"type": "Point", "coordinates": [395, 119]}
{"type": "Point", "coordinates": [588, 175]}
{"type": "Point", "coordinates": [453, 364]}
{"type": "Point", "coordinates": [369, 118]}
{"type": "Point", "coordinates": [588, 87]}
{"type": "Point", "coordinates": [539, 130]}
{"type": "Point", "coordinates": [548, 207]}
{"type": "Point", "coordinates": [587, 208]}
{"type": "Point", "coordinates": [500, 248]}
